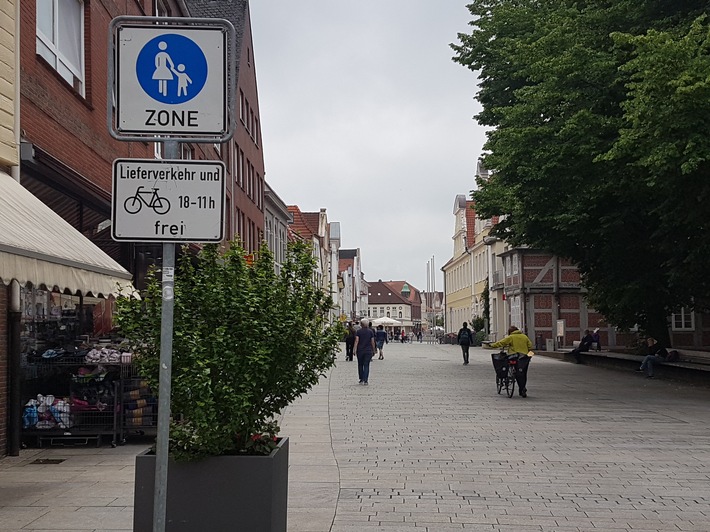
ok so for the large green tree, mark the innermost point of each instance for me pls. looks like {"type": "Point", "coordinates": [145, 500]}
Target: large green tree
{"type": "Point", "coordinates": [597, 142]}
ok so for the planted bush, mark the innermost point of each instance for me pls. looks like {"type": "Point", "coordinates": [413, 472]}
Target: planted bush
{"type": "Point", "coordinates": [246, 343]}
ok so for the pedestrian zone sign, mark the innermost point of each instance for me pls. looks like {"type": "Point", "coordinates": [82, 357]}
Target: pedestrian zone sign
{"type": "Point", "coordinates": [168, 200]}
{"type": "Point", "coordinates": [171, 80]}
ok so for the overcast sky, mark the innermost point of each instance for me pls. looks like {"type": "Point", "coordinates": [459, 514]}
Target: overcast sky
{"type": "Point", "coordinates": [364, 113]}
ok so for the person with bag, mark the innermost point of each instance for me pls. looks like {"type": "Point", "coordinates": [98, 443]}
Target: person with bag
{"type": "Point", "coordinates": [465, 339]}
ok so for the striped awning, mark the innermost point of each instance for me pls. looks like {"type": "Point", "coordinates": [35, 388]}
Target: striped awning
{"type": "Point", "coordinates": [40, 247]}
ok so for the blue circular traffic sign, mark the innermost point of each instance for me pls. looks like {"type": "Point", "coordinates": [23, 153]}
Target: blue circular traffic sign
{"type": "Point", "coordinates": [171, 69]}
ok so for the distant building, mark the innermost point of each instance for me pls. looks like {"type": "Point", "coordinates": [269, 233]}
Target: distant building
{"type": "Point", "coordinates": [353, 293]}
{"type": "Point", "coordinates": [458, 270]}
{"type": "Point", "coordinates": [398, 300]}
{"type": "Point", "coordinates": [276, 222]}
{"type": "Point", "coordinates": [324, 237]}
{"type": "Point", "coordinates": [432, 309]}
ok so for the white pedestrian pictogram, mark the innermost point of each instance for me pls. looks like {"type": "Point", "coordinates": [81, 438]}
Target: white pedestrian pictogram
{"type": "Point", "coordinates": [164, 68]}
{"type": "Point", "coordinates": [183, 79]}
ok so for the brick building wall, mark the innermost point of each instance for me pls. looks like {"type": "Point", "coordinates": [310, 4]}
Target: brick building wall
{"type": "Point", "coordinates": [4, 298]}
{"type": "Point", "coordinates": [248, 203]}
{"type": "Point", "coordinates": [66, 124]}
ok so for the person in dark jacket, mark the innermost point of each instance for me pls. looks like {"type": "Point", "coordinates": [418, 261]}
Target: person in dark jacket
{"type": "Point", "coordinates": [657, 354]}
{"type": "Point", "coordinates": [349, 341]}
{"type": "Point", "coordinates": [380, 340]}
{"type": "Point", "coordinates": [597, 339]}
{"type": "Point", "coordinates": [585, 344]}
{"type": "Point", "coordinates": [465, 339]}
{"type": "Point", "coordinates": [364, 349]}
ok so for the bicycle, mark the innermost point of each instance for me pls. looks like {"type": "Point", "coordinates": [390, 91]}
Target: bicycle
{"type": "Point", "coordinates": [135, 203]}
{"type": "Point", "coordinates": [506, 367]}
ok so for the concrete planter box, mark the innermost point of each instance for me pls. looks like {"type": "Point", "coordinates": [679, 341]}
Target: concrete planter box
{"type": "Point", "coordinates": [219, 494]}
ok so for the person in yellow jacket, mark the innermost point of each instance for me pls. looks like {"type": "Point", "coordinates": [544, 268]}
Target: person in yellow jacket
{"type": "Point", "coordinates": [517, 342]}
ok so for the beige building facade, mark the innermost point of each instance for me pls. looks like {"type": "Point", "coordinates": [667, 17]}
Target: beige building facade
{"type": "Point", "coordinates": [9, 69]}
{"type": "Point", "coordinates": [458, 270]}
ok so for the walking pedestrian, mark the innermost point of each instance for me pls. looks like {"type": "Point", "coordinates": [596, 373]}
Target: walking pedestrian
{"type": "Point", "coordinates": [349, 342]}
{"type": "Point", "coordinates": [465, 339]}
{"type": "Point", "coordinates": [380, 340]}
{"type": "Point", "coordinates": [364, 349]}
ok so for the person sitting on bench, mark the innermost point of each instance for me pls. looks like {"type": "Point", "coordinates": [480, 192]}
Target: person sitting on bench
{"type": "Point", "coordinates": [657, 354]}
{"type": "Point", "coordinates": [585, 345]}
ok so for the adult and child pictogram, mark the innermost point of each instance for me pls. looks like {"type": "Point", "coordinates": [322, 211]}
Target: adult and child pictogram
{"type": "Point", "coordinates": [171, 69]}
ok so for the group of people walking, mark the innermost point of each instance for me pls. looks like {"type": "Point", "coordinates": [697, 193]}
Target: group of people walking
{"type": "Point", "coordinates": [364, 342]}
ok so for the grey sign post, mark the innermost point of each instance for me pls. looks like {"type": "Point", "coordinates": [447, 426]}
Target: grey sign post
{"type": "Point", "coordinates": [170, 80]}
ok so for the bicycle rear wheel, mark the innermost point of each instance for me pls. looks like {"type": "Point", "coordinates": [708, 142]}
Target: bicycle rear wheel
{"type": "Point", "coordinates": [510, 381]}
{"type": "Point", "coordinates": [499, 382]}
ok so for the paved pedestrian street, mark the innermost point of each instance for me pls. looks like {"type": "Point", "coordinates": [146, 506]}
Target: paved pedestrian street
{"type": "Point", "coordinates": [430, 446]}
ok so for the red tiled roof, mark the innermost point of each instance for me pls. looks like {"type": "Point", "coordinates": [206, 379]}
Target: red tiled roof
{"type": "Point", "coordinates": [312, 219]}
{"type": "Point", "coordinates": [344, 264]}
{"type": "Point", "coordinates": [391, 292]}
{"type": "Point", "coordinates": [300, 225]}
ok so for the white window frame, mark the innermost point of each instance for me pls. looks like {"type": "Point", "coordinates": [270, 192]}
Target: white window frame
{"type": "Point", "coordinates": [687, 320]}
{"type": "Point", "coordinates": [48, 47]}
{"type": "Point", "coordinates": [515, 264]}
{"type": "Point", "coordinates": [515, 317]}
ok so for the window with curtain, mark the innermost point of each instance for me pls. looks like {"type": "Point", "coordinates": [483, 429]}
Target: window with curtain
{"type": "Point", "coordinates": [60, 38]}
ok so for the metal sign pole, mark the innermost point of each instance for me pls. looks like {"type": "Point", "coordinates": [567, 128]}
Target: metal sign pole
{"type": "Point", "coordinates": [166, 361]}
{"type": "Point", "coordinates": [139, 108]}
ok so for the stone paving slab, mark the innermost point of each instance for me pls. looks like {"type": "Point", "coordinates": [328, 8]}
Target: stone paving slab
{"type": "Point", "coordinates": [430, 446]}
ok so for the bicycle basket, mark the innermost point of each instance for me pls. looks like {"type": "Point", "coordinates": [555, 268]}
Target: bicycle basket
{"type": "Point", "coordinates": [500, 361]}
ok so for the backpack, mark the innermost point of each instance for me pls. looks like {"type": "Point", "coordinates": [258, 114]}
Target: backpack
{"type": "Point", "coordinates": [465, 336]}
{"type": "Point", "coordinates": [673, 356]}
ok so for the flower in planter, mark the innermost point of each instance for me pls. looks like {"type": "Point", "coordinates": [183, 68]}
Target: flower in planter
{"type": "Point", "coordinates": [246, 342]}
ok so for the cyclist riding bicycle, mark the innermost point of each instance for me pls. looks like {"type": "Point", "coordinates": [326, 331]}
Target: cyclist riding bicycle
{"type": "Point", "coordinates": [517, 343]}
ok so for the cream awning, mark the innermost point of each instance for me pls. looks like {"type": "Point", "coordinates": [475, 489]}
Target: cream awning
{"type": "Point", "coordinates": [38, 246]}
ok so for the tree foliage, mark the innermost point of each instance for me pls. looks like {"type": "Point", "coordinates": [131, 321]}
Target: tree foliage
{"type": "Point", "coordinates": [599, 113]}
{"type": "Point", "coordinates": [247, 342]}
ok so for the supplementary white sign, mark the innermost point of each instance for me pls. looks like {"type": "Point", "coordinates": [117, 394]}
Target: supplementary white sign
{"type": "Point", "coordinates": [168, 200]}
{"type": "Point", "coordinates": [171, 80]}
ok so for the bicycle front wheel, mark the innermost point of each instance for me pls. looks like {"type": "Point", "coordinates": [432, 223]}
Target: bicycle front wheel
{"type": "Point", "coordinates": [510, 381]}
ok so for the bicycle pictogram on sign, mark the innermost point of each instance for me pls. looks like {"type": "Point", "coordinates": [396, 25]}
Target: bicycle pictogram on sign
{"type": "Point", "coordinates": [134, 204]}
